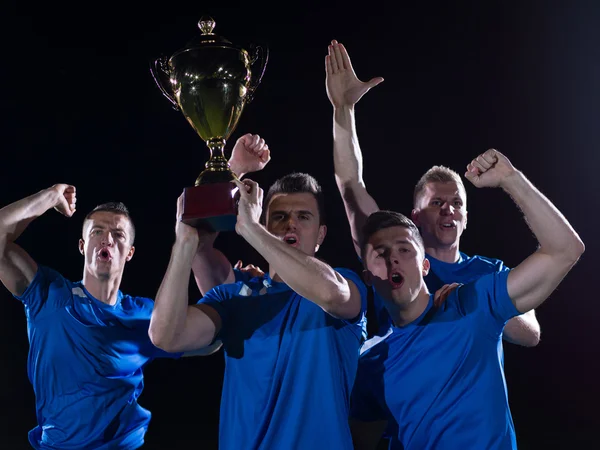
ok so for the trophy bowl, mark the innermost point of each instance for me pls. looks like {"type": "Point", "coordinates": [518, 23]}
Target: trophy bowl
{"type": "Point", "coordinates": [210, 81]}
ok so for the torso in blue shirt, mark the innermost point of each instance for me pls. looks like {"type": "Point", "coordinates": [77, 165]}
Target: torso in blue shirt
{"type": "Point", "coordinates": [85, 364]}
{"type": "Point", "coordinates": [465, 270]}
{"type": "Point", "coordinates": [290, 367]}
{"type": "Point", "coordinates": [439, 379]}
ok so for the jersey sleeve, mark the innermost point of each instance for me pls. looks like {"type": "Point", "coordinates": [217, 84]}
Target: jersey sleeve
{"type": "Point", "coordinates": [488, 295]}
{"type": "Point", "coordinates": [350, 275]}
{"type": "Point", "coordinates": [219, 298]}
{"type": "Point", "coordinates": [48, 290]}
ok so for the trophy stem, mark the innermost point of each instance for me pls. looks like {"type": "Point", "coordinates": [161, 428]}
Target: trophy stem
{"type": "Point", "coordinates": [217, 168]}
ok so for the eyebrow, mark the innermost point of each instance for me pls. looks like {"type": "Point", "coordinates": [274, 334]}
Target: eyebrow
{"type": "Point", "coordinates": [399, 241]}
{"type": "Point", "coordinates": [302, 211]}
{"type": "Point", "coordinates": [456, 197]}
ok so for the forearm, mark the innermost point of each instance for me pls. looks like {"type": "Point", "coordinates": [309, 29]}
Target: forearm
{"type": "Point", "coordinates": [306, 275]}
{"type": "Point", "coordinates": [347, 156]}
{"type": "Point", "coordinates": [523, 330]}
{"type": "Point", "coordinates": [15, 217]}
{"type": "Point", "coordinates": [171, 303]}
{"type": "Point", "coordinates": [553, 232]}
{"type": "Point", "coordinates": [211, 268]}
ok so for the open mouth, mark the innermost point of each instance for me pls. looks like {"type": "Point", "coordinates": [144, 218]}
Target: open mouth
{"type": "Point", "coordinates": [448, 226]}
{"type": "Point", "coordinates": [104, 255]}
{"type": "Point", "coordinates": [396, 280]}
{"type": "Point", "coordinates": [291, 239]}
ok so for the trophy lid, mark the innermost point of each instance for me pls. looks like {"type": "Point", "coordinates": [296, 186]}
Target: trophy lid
{"type": "Point", "coordinates": [207, 38]}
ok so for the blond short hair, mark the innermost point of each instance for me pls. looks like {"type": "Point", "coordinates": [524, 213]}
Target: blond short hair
{"type": "Point", "coordinates": [437, 174]}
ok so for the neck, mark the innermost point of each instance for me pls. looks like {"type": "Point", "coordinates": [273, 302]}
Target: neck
{"type": "Point", "coordinates": [404, 314]}
{"type": "Point", "coordinates": [447, 254]}
{"type": "Point", "coordinates": [103, 289]}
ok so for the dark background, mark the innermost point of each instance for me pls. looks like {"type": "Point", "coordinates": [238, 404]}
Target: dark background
{"type": "Point", "coordinates": [80, 107]}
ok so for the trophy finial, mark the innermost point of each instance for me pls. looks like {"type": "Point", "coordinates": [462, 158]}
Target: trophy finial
{"type": "Point", "coordinates": [206, 24]}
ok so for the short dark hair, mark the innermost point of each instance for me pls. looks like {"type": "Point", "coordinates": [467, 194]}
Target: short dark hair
{"type": "Point", "coordinates": [115, 208]}
{"type": "Point", "coordinates": [386, 219]}
{"type": "Point", "coordinates": [296, 183]}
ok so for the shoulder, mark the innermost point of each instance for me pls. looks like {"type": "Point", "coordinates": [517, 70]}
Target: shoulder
{"type": "Point", "coordinates": [137, 305]}
{"type": "Point", "coordinates": [492, 264]}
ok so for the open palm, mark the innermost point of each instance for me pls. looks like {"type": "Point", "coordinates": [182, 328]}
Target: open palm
{"type": "Point", "coordinates": [343, 86]}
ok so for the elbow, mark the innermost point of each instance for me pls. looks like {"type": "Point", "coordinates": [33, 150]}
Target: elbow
{"type": "Point", "coordinates": [161, 340]}
{"type": "Point", "coordinates": [532, 340]}
{"type": "Point", "coordinates": [578, 248]}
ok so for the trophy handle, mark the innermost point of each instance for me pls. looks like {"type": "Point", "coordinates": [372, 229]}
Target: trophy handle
{"type": "Point", "coordinates": [260, 57]}
{"type": "Point", "coordinates": [160, 73]}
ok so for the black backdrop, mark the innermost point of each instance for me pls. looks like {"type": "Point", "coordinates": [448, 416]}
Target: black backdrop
{"type": "Point", "coordinates": [80, 107]}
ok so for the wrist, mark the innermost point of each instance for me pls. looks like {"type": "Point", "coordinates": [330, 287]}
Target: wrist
{"type": "Point", "coordinates": [237, 168]}
{"type": "Point", "coordinates": [512, 181]}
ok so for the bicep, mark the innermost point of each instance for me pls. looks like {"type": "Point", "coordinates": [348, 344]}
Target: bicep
{"type": "Point", "coordinates": [17, 269]}
{"type": "Point", "coordinates": [202, 323]}
{"type": "Point", "coordinates": [366, 435]}
{"type": "Point", "coordinates": [532, 281]}
{"type": "Point", "coordinates": [359, 205]}
{"type": "Point", "coordinates": [353, 306]}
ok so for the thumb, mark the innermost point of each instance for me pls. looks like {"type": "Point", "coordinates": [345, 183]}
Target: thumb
{"type": "Point", "coordinates": [374, 82]}
{"type": "Point", "coordinates": [238, 265]}
{"type": "Point", "coordinates": [472, 176]}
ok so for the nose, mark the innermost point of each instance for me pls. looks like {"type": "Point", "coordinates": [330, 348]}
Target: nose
{"type": "Point", "coordinates": [107, 240]}
{"type": "Point", "coordinates": [291, 223]}
{"type": "Point", "coordinates": [447, 209]}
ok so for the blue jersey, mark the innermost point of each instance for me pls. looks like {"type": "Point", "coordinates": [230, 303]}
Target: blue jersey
{"type": "Point", "coordinates": [439, 379]}
{"type": "Point", "coordinates": [465, 270]}
{"type": "Point", "coordinates": [85, 364]}
{"type": "Point", "coordinates": [289, 367]}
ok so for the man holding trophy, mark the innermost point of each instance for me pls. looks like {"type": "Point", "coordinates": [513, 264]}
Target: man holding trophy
{"type": "Point", "coordinates": [88, 340]}
{"type": "Point", "coordinates": [291, 336]}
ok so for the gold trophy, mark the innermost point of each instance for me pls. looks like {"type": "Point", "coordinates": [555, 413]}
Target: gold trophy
{"type": "Point", "coordinates": [210, 81]}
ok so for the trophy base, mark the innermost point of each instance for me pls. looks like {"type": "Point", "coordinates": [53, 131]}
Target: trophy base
{"type": "Point", "coordinates": [212, 206]}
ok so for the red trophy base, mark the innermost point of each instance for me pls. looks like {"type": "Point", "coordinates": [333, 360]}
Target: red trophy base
{"type": "Point", "coordinates": [211, 206]}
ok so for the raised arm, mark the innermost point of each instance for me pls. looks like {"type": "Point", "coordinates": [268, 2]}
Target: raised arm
{"type": "Point", "coordinates": [175, 326]}
{"type": "Point", "coordinates": [305, 274]}
{"type": "Point", "coordinates": [560, 247]}
{"type": "Point", "coordinates": [17, 268]}
{"type": "Point", "coordinates": [210, 266]}
{"type": "Point", "coordinates": [344, 90]}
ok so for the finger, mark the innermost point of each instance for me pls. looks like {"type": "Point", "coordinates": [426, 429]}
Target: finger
{"type": "Point", "coordinates": [374, 82]}
{"type": "Point", "coordinates": [490, 156]}
{"type": "Point", "coordinates": [346, 57]}
{"type": "Point", "coordinates": [338, 56]}
{"type": "Point", "coordinates": [261, 194]}
{"type": "Point", "coordinates": [242, 186]}
{"type": "Point", "coordinates": [332, 58]}
{"type": "Point", "coordinates": [179, 206]}
{"type": "Point", "coordinates": [265, 155]}
{"type": "Point", "coordinates": [472, 174]}
{"type": "Point", "coordinates": [328, 66]}
{"type": "Point", "coordinates": [238, 265]}
{"type": "Point", "coordinates": [484, 163]}
{"type": "Point", "coordinates": [255, 140]}
{"type": "Point", "coordinates": [261, 143]}
{"type": "Point", "coordinates": [476, 164]}
{"type": "Point", "coordinates": [245, 139]}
